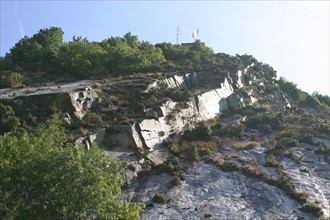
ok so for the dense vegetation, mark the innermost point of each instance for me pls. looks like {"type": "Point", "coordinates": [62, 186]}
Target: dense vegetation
{"type": "Point", "coordinates": [301, 98]}
{"type": "Point", "coordinates": [43, 175]}
{"type": "Point", "coordinates": [46, 57]}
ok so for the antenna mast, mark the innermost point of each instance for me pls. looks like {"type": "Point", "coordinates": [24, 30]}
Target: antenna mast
{"type": "Point", "coordinates": [177, 34]}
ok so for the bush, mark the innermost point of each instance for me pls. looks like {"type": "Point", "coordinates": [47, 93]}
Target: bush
{"type": "Point", "coordinates": [255, 137]}
{"type": "Point", "coordinates": [9, 122]}
{"type": "Point", "coordinates": [92, 120]}
{"type": "Point", "coordinates": [12, 80]}
{"type": "Point", "coordinates": [192, 153]}
{"type": "Point", "coordinates": [306, 138]}
{"type": "Point", "coordinates": [271, 161]}
{"type": "Point", "coordinates": [312, 208]}
{"type": "Point", "coordinates": [265, 129]}
{"type": "Point", "coordinates": [233, 130]}
{"type": "Point", "coordinates": [174, 147]}
{"type": "Point", "coordinates": [176, 180]}
{"type": "Point", "coordinates": [160, 197]}
{"type": "Point", "coordinates": [292, 142]}
{"type": "Point", "coordinates": [230, 166]}
{"type": "Point", "coordinates": [200, 132]}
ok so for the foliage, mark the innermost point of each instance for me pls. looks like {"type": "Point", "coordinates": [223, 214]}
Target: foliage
{"type": "Point", "coordinates": [265, 122]}
{"type": "Point", "coordinates": [92, 120]}
{"type": "Point", "coordinates": [9, 122]}
{"type": "Point", "coordinates": [41, 48]}
{"type": "Point", "coordinates": [44, 176]}
{"type": "Point", "coordinates": [81, 59]}
{"type": "Point", "coordinates": [160, 197]}
{"type": "Point", "coordinates": [200, 132]}
{"type": "Point", "coordinates": [271, 161]}
{"type": "Point", "coordinates": [128, 54]}
{"type": "Point", "coordinates": [117, 56]}
{"type": "Point", "coordinates": [313, 208]}
{"type": "Point", "coordinates": [12, 80]}
{"type": "Point", "coordinates": [301, 98]}
{"type": "Point", "coordinates": [232, 130]}
{"type": "Point", "coordinates": [175, 55]}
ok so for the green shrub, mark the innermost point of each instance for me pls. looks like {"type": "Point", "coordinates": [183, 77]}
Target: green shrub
{"type": "Point", "coordinates": [170, 166]}
{"type": "Point", "coordinates": [233, 130]}
{"type": "Point", "coordinates": [292, 142]}
{"type": "Point", "coordinates": [271, 161]}
{"type": "Point", "coordinates": [306, 138]}
{"type": "Point", "coordinates": [312, 208]}
{"type": "Point", "coordinates": [230, 166]}
{"type": "Point", "coordinates": [160, 197]}
{"type": "Point", "coordinates": [255, 137]}
{"type": "Point", "coordinates": [176, 180]}
{"type": "Point", "coordinates": [265, 129]}
{"type": "Point", "coordinates": [207, 215]}
{"type": "Point", "coordinates": [12, 80]}
{"type": "Point", "coordinates": [8, 120]}
{"type": "Point", "coordinates": [192, 153]}
{"type": "Point", "coordinates": [200, 132]}
{"type": "Point", "coordinates": [92, 120]}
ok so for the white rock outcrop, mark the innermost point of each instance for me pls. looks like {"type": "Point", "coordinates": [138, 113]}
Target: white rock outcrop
{"type": "Point", "coordinates": [151, 132]}
{"type": "Point", "coordinates": [208, 191]}
{"type": "Point", "coordinates": [82, 101]}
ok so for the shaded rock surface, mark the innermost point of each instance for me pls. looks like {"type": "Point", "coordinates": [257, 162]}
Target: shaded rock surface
{"type": "Point", "coordinates": [76, 98]}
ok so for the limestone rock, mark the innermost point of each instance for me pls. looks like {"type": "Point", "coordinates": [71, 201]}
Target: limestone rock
{"type": "Point", "coordinates": [82, 101]}
{"type": "Point", "coordinates": [208, 190]}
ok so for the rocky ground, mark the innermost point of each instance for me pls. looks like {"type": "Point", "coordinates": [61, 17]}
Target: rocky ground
{"type": "Point", "coordinates": [209, 193]}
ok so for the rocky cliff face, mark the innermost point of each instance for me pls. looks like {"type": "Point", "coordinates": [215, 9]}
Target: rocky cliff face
{"type": "Point", "coordinates": [74, 99]}
{"type": "Point", "coordinates": [211, 193]}
{"type": "Point", "coordinates": [196, 189]}
{"type": "Point", "coordinates": [200, 107]}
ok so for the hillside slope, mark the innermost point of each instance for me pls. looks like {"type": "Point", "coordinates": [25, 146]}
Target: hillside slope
{"type": "Point", "coordinates": [260, 146]}
{"type": "Point", "coordinates": [204, 135]}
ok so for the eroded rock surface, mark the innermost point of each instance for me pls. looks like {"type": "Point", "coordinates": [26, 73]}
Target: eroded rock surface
{"type": "Point", "coordinates": [208, 191]}
{"type": "Point", "coordinates": [76, 98]}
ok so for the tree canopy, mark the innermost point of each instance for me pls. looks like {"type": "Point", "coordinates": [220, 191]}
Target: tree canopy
{"type": "Point", "coordinates": [44, 176]}
{"type": "Point", "coordinates": [80, 59]}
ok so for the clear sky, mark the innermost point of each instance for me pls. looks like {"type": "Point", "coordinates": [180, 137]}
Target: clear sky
{"type": "Point", "coordinates": [291, 36]}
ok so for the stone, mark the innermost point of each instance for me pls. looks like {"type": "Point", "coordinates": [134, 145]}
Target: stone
{"type": "Point", "coordinates": [82, 100]}
{"type": "Point", "coordinates": [223, 195]}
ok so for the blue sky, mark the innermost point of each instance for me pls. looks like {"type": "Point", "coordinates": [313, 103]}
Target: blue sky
{"type": "Point", "coordinates": [291, 36]}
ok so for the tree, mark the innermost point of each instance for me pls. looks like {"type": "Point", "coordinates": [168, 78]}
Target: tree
{"type": "Point", "coordinates": [49, 37]}
{"type": "Point", "coordinates": [44, 176]}
{"type": "Point", "coordinates": [26, 53]}
{"type": "Point", "coordinates": [151, 57]}
{"type": "Point", "coordinates": [9, 122]}
{"type": "Point", "coordinates": [122, 54]}
{"type": "Point", "coordinates": [38, 51]}
{"type": "Point", "coordinates": [12, 80]}
{"type": "Point", "coordinates": [81, 59]}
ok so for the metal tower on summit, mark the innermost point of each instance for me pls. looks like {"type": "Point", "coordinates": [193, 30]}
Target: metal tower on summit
{"type": "Point", "coordinates": [177, 34]}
